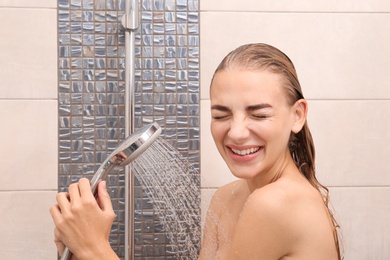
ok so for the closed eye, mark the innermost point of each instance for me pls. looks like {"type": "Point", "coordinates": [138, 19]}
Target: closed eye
{"type": "Point", "coordinates": [220, 117]}
{"type": "Point", "coordinates": [259, 111]}
{"type": "Point", "coordinates": [219, 112]}
{"type": "Point", "coordinates": [260, 116]}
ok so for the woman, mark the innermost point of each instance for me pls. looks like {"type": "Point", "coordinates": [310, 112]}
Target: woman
{"type": "Point", "coordinates": [276, 210]}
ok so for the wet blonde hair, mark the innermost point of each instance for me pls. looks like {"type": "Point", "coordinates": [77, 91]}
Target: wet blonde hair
{"type": "Point", "coordinates": [259, 56]}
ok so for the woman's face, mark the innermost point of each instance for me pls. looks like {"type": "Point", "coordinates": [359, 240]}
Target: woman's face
{"type": "Point", "coordinates": [251, 121]}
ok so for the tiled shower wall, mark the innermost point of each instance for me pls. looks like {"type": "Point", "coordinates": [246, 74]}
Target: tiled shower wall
{"type": "Point", "coordinates": [91, 74]}
{"type": "Point", "coordinates": [28, 128]}
{"type": "Point", "coordinates": [341, 52]}
{"type": "Point", "coordinates": [348, 109]}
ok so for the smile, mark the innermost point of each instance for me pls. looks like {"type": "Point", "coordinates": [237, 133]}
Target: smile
{"type": "Point", "coordinates": [246, 151]}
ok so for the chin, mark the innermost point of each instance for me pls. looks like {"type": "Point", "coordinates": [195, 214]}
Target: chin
{"type": "Point", "coordinates": [243, 172]}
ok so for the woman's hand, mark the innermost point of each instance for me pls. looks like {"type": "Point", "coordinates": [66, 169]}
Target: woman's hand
{"type": "Point", "coordinates": [83, 223]}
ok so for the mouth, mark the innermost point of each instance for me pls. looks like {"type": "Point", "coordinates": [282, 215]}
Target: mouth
{"type": "Point", "coordinates": [244, 152]}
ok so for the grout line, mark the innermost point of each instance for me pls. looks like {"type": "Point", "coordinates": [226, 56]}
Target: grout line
{"type": "Point", "coordinates": [39, 190]}
{"type": "Point", "coordinates": [348, 99]}
{"type": "Point", "coordinates": [291, 12]}
{"type": "Point", "coordinates": [28, 7]}
{"type": "Point", "coordinates": [333, 99]}
{"type": "Point", "coordinates": [29, 99]}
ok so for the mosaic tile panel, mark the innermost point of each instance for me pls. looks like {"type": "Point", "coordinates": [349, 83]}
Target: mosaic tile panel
{"type": "Point", "coordinates": [91, 73]}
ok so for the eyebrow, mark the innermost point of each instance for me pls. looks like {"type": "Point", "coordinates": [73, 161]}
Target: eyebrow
{"type": "Point", "coordinates": [249, 108]}
{"type": "Point", "coordinates": [258, 107]}
{"type": "Point", "coordinates": [220, 108]}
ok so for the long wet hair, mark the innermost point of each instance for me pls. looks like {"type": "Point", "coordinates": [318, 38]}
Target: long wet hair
{"type": "Point", "coordinates": [258, 56]}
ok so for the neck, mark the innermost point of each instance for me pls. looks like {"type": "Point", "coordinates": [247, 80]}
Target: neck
{"type": "Point", "coordinates": [285, 165]}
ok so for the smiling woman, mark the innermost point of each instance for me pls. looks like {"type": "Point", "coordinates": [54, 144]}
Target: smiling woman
{"type": "Point", "coordinates": [277, 209]}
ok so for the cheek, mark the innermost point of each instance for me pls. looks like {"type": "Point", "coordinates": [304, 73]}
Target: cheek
{"type": "Point", "coordinates": [275, 132]}
{"type": "Point", "coordinates": [215, 131]}
{"type": "Point", "coordinates": [218, 132]}
{"type": "Point", "coordinates": [283, 136]}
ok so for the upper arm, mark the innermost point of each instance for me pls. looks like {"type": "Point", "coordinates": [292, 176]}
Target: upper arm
{"type": "Point", "coordinates": [263, 229]}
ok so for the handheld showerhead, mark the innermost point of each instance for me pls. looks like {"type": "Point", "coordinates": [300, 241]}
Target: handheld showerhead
{"type": "Point", "coordinates": [126, 152]}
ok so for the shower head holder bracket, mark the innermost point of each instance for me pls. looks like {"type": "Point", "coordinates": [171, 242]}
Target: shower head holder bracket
{"type": "Point", "coordinates": [130, 20]}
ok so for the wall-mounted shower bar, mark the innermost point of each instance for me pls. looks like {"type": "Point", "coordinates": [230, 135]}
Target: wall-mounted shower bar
{"type": "Point", "coordinates": [130, 23]}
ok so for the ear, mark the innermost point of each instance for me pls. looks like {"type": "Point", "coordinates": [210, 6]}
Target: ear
{"type": "Point", "coordinates": [300, 109]}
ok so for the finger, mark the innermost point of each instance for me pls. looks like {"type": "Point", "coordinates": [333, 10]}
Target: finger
{"type": "Point", "coordinates": [55, 213]}
{"type": "Point", "coordinates": [57, 236]}
{"type": "Point", "coordinates": [60, 246]}
{"type": "Point", "coordinates": [85, 189]}
{"type": "Point", "coordinates": [104, 198]}
{"type": "Point", "coordinates": [63, 202]}
{"type": "Point", "coordinates": [74, 192]}
{"type": "Point", "coordinates": [73, 257]}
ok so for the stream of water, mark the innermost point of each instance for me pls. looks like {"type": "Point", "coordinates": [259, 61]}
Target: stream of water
{"type": "Point", "coordinates": [173, 186]}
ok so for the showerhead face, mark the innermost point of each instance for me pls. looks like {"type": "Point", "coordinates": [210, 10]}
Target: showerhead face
{"type": "Point", "coordinates": [136, 143]}
{"type": "Point", "coordinates": [127, 151]}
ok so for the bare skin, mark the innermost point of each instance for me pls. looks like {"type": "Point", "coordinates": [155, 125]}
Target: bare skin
{"type": "Point", "coordinates": [283, 220]}
{"type": "Point", "coordinates": [272, 212]}
{"type": "Point", "coordinates": [82, 223]}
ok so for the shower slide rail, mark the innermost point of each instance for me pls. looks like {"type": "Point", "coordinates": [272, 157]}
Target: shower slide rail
{"type": "Point", "coordinates": [130, 23]}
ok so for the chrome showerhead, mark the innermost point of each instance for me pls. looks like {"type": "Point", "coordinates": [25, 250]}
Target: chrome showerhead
{"type": "Point", "coordinates": [126, 152]}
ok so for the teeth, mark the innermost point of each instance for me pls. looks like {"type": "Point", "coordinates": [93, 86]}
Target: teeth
{"type": "Point", "coordinates": [245, 152]}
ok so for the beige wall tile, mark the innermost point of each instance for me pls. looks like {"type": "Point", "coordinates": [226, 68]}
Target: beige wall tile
{"type": "Point", "coordinates": [299, 5]}
{"type": "Point", "coordinates": [338, 56]}
{"type": "Point", "coordinates": [352, 141]}
{"type": "Point", "coordinates": [28, 152]}
{"type": "Point", "coordinates": [363, 213]}
{"type": "Point", "coordinates": [28, 53]}
{"type": "Point", "coordinates": [26, 226]}
{"type": "Point", "coordinates": [29, 3]}
{"type": "Point", "coordinates": [214, 172]}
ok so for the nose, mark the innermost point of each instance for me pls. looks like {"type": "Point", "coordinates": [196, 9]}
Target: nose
{"type": "Point", "coordinates": [239, 131]}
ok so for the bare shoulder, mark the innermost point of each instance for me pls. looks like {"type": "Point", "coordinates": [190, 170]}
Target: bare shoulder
{"type": "Point", "coordinates": [276, 204]}
{"type": "Point", "coordinates": [228, 201]}
{"type": "Point", "coordinates": [230, 188]}
{"type": "Point", "coordinates": [282, 219]}
{"type": "Point", "coordinates": [235, 192]}
{"type": "Point", "coordinates": [282, 196]}
{"type": "Point", "coordinates": [293, 206]}
{"type": "Point", "coordinates": [263, 229]}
